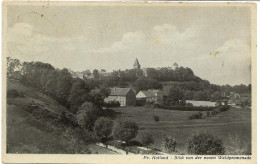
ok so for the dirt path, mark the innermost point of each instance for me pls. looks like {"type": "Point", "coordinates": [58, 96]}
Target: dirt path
{"type": "Point", "coordinates": [114, 149]}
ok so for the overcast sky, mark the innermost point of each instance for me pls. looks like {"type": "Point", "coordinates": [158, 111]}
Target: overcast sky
{"type": "Point", "coordinates": [213, 41]}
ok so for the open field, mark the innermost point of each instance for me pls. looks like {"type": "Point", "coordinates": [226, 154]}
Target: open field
{"type": "Point", "coordinates": [232, 126]}
{"type": "Point", "coordinates": [39, 130]}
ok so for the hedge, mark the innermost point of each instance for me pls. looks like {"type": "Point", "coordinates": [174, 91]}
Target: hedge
{"type": "Point", "coordinates": [192, 108]}
{"type": "Point", "coordinates": [187, 108]}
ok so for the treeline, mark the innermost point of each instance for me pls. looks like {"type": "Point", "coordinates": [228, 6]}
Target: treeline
{"type": "Point", "coordinates": [57, 83]}
{"type": "Point", "coordinates": [74, 92]}
{"type": "Point", "coordinates": [179, 74]}
{"type": "Point", "coordinates": [133, 77]}
{"type": "Point", "coordinates": [192, 87]}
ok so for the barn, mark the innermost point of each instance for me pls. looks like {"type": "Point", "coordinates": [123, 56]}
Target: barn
{"type": "Point", "coordinates": [125, 96]}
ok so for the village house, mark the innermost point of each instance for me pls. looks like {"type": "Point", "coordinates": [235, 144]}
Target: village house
{"type": "Point", "coordinates": [150, 96]}
{"type": "Point", "coordinates": [125, 96]}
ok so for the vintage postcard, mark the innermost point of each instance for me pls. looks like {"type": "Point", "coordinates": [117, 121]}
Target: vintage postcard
{"type": "Point", "coordinates": [128, 82]}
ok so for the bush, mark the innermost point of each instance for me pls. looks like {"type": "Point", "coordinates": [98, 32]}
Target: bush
{"type": "Point", "coordinates": [235, 144]}
{"type": "Point", "coordinates": [147, 139]}
{"type": "Point", "coordinates": [125, 131]}
{"type": "Point", "coordinates": [208, 113]}
{"type": "Point", "coordinates": [156, 118]}
{"type": "Point", "coordinates": [187, 108]}
{"type": "Point", "coordinates": [111, 104]}
{"type": "Point", "coordinates": [189, 104]}
{"type": "Point", "coordinates": [12, 93]}
{"type": "Point", "coordinates": [169, 144]}
{"type": "Point", "coordinates": [196, 116]}
{"type": "Point", "coordinates": [220, 109]}
{"type": "Point", "coordinates": [205, 143]}
{"type": "Point", "coordinates": [213, 112]}
{"type": "Point", "coordinates": [103, 129]}
{"type": "Point", "coordinates": [87, 115]}
{"type": "Point", "coordinates": [224, 108]}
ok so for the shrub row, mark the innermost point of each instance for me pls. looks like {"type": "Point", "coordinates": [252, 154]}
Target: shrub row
{"type": "Point", "coordinates": [220, 109]}
{"type": "Point", "coordinates": [186, 108]}
{"type": "Point", "coordinates": [111, 104]}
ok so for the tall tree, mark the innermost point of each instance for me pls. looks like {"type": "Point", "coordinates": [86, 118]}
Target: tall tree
{"type": "Point", "coordinates": [125, 131]}
{"type": "Point", "coordinates": [12, 66]}
{"type": "Point", "coordinates": [96, 74]}
{"type": "Point", "coordinates": [79, 93]}
{"type": "Point", "coordinates": [174, 96]}
{"type": "Point", "coordinates": [87, 115]}
{"type": "Point", "coordinates": [103, 129]}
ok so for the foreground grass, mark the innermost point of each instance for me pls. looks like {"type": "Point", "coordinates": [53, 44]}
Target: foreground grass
{"type": "Point", "coordinates": [233, 126]}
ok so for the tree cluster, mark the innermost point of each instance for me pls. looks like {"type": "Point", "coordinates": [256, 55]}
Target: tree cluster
{"type": "Point", "coordinates": [58, 84]}
{"type": "Point", "coordinates": [178, 74]}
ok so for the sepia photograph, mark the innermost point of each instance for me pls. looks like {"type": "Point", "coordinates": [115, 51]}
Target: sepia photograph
{"type": "Point", "coordinates": [159, 81]}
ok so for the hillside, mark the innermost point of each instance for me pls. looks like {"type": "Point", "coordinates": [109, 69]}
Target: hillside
{"type": "Point", "coordinates": [34, 125]}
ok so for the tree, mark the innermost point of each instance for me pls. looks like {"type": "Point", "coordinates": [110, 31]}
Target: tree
{"type": "Point", "coordinates": [12, 66]}
{"type": "Point", "coordinates": [174, 96]}
{"type": "Point", "coordinates": [97, 96]}
{"type": "Point", "coordinates": [147, 139]}
{"type": "Point", "coordinates": [79, 93]}
{"type": "Point", "coordinates": [169, 144]}
{"type": "Point", "coordinates": [96, 74]}
{"type": "Point", "coordinates": [205, 143]}
{"type": "Point", "coordinates": [125, 131]}
{"type": "Point", "coordinates": [87, 115]}
{"type": "Point", "coordinates": [202, 95]}
{"type": "Point", "coordinates": [182, 102]}
{"type": "Point", "coordinates": [216, 96]}
{"type": "Point", "coordinates": [188, 95]}
{"type": "Point", "coordinates": [63, 86]}
{"type": "Point", "coordinates": [144, 83]}
{"type": "Point", "coordinates": [103, 129]}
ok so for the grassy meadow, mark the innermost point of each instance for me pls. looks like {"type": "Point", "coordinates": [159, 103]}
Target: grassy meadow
{"type": "Point", "coordinates": [233, 126]}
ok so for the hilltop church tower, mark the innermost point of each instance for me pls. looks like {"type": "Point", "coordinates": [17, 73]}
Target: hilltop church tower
{"type": "Point", "coordinates": [136, 64]}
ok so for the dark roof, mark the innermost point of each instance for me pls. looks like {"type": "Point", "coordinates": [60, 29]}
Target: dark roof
{"type": "Point", "coordinates": [136, 63]}
{"type": "Point", "coordinates": [119, 91]}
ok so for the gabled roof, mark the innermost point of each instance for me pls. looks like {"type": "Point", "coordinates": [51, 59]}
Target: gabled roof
{"type": "Point", "coordinates": [119, 91]}
{"type": "Point", "coordinates": [136, 63]}
{"type": "Point", "coordinates": [148, 93]}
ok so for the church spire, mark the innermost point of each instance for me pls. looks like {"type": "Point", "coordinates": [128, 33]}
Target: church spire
{"type": "Point", "coordinates": [136, 64]}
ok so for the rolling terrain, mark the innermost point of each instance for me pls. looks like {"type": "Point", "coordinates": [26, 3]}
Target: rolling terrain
{"type": "Point", "coordinates": [233, 126]}
{"type": "Point", "coordinates": [34, 126]}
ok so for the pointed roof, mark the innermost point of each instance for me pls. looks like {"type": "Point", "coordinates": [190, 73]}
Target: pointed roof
{"type": "Point", "coordinates": [148, 93]}
{"type": "Point", "coordinates": [136, 64]}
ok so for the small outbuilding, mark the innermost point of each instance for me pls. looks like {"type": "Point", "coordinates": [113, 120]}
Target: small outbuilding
{"type": "Point", "coordinates": [150, 96]}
